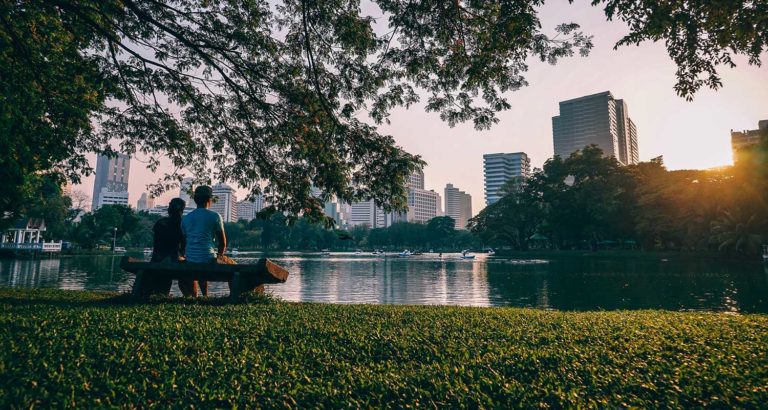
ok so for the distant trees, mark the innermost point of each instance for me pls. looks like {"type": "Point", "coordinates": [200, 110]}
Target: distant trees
{"type": "Point", "coordinates": [120, 221]}
{"type": "Point", "coordinates": [587, 200]}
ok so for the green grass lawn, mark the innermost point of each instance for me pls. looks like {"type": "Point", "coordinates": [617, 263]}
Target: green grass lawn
{"type": "Point", "coordinates": [87, 349]}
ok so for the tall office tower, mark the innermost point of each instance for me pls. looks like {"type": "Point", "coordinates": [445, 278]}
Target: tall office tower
{"type": "Point", "coordinates": [368, 214]}
{"type": "Point", "coordinates": [743, 142]}
{"type": "Point", "coordinates": [415, 180]}
{"type": "Point", "coordinates": [111, 184]}
{"type": "Point", "coordinates": [225, 202]}
{"type": "Point", "coordinates": [247, 209]}
{"type": "Point", "coordinates": [423, 205]}
{"type": "Point", "coordinates": [597, 119]}
{"type": "Point", "coordinates": [185, 190]}
{"type": "Point", "coordinates": [458, 205]}
{"type": "Point", "coordinates": [499, 169]}
{"type": "Point", "coordinates": [145, 203]}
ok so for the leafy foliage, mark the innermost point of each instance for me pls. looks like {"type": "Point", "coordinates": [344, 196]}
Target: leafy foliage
{"type": "Point", "coordinates": [275, 96]}
{"type": "Point", "coordinates": [84, 350]}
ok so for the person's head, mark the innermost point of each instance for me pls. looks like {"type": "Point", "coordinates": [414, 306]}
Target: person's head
{"type": "Point", "coordinates": [176, 207]}
{"type": "Point", "coordinates": [203, 196]}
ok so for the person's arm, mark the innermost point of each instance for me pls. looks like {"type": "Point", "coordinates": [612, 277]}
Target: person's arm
{"type": "Point", "coordinates": [221, 242]}
{"type": "Point", "coordinates": [221, 237]}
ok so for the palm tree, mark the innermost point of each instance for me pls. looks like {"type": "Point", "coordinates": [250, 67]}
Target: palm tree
{"type": "Point", "coordinates": [737, 232]}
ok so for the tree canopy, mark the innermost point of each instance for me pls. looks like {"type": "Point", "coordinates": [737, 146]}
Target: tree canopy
{"type": "Point", "coordinates": [280, 96]}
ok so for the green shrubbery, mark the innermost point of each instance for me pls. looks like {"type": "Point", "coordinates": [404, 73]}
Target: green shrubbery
{"type": "Point", "coordinates": [85, 349]}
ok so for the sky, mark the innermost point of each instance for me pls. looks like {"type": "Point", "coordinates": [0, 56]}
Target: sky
{"type": "Point", "coordinates": [690, 135]}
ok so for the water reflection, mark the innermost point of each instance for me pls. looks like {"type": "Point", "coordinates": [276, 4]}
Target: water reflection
{"type": "Point", "coordinates": [566, 284]}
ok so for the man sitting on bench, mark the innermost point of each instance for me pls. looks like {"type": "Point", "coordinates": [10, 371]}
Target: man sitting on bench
{"type": "Point", "coordinates": [203, 230]}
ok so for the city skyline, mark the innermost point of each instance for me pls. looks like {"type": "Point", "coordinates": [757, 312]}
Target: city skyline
{"type": "Point", "coordinates": [643, 76]}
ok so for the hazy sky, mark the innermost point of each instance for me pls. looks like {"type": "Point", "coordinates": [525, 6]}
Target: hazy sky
{"type": "Point", "coordinates": [688, 134]}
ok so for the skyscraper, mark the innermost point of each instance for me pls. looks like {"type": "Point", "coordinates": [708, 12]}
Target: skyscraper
{"type": "Point", "coordinates": [367, 213]}
{"type": "Point", "coordinates": [185, 188]}
{"type": "Point", "coordinates": [225, 202]}
{"type": "Point", "coordinates": [247, 209]}
{"type": "Point", "coordinates": [145, 203]}
{"type": "Point", "coordinates": [111, 184]}
{"type": "Point", "coordinates": [423, 205]}
{"type": "Point", "coordinates": [743, 142]}
{"type": "Point", "coordinates": [458, 205]}
{"type": "Point", "coordinates": [415, 180]}
{"type": "Point", "coordinates": [597, 119]}
{"type": "Point", "coordinates": [499, 168]}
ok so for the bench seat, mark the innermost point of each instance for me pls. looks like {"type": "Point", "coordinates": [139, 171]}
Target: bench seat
{"type": "Point", "coordinates": [241, 276]}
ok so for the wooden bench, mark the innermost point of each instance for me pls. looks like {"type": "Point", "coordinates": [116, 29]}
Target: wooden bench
{"type": "Point", "coordinates": [243, 277]}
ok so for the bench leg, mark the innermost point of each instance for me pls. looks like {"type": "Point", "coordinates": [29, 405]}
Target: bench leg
{"type": "Point", "coordinates": [234, 287]}
{"type": "Point", "coordinates": [138, 285]}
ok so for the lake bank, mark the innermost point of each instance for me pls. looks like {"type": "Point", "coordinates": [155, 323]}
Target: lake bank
{"type": "Point", "coordinates": [86, 349]}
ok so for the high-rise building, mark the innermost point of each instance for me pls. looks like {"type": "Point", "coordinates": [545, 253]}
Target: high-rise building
{"type": "Point", "coordinates": [247, 209]}
{"type": "Point", "coordinates": [185, 190]}
{"type": "Point", "coordinates": [111, 184]}
{"type": "Point", "coordinates": [415, 180]}
{"type": "Point", "coordinates": [145, 203]}
{"type": "Point", "coordinates": [499, 169]}
{"type": "Point", "coordinates": [458, 205]}
{"type": "Point", "coordinates": [597, 119]}
{"type": "Point", "coordinates": [225, 202]}
{"type": "Point", "coordinates": [743, 141]}
{"type": "Point", "coordinates": [368, 214]}
{"type": "Point", "coordinates": [423, 205]}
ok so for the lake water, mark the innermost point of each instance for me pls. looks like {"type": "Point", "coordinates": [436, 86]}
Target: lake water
{"type": "Point", "coordinates": [573, 283]}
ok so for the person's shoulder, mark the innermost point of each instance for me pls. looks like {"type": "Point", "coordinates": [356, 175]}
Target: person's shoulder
{"type": "Point", "coordinates": [212, 214]}
{"type": "Point", "coordinates": [162, 222]}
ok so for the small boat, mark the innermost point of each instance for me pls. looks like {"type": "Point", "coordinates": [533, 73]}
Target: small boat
{"type": "Point", "coordinates": [234, 252]}
{"type": "Point", "coordinates": [119, 249]}
{"type": "Point", "coordinates": [358, 252]}
{"type": "Point", "coordinates": [491, 252]}
{"type": "Point", "coordinates": [325, 253]}
{"type": "Point", "coordinates": [147, 251]}
{"type": "Point", "coordinates": [404, 254]}
{"type": "Point", "coordinates": [466, 255]}
{"type": "Point", "coordinates": [765, 253]}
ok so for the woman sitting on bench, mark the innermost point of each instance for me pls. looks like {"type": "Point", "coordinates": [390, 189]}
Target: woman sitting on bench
{"type": "Point", "coordinates": [168, 246]}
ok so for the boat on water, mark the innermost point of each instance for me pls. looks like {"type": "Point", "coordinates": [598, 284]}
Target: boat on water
{"type": "Point", "coordinates": [491, 252]}
{"type": "Point", "coordinates": [119, 249]}
{"type": "Point", "coordinates": [466, 255]}
{"type": "Point", "coordinates": [147, 251]}
{"type": "Point", "coordinates": [765, 253]}
{"type": "Point", "coordinates": [404, 254]}
{"type": "Point", "coordinates": [234, 252]}
{"type": "Point", "coordinates": [325, 253]}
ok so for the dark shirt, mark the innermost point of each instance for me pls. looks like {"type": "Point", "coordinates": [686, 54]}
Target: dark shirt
{"type": "Point", "coordinates": [168, 239]}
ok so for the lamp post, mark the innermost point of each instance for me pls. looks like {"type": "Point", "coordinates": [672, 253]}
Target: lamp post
{"type": "Point", "coordinates": [114, 238]}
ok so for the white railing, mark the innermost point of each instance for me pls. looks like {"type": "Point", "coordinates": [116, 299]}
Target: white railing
{"type": "Point", "coordinates": [34, 246]}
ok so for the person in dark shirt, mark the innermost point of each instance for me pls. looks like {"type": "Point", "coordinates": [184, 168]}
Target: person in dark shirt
{"type": "Point", "coordinates": [168, 239]}
{"type": "Point", "coordinates": [168, 246]}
